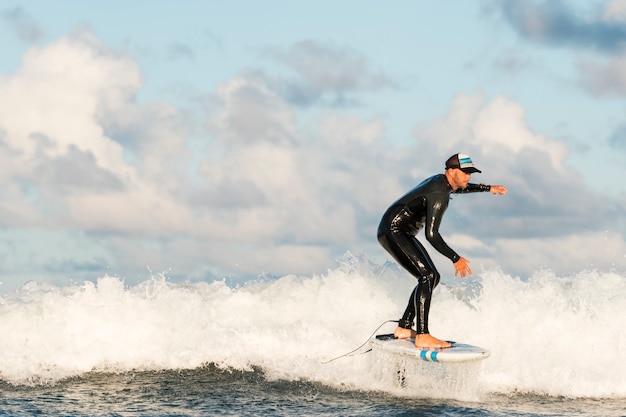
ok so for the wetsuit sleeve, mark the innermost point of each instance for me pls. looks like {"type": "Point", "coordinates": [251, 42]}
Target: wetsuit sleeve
{"type": "Point", "coordinates": [473, 188]}
{"type": "Point", "coordinates": [434, 213]}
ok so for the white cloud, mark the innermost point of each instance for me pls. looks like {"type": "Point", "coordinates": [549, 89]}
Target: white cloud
{"type": "Point", "coordinates": [344, 130]}
{"type": "Point", "coordinates": [490, 128]}
{"type": "Point", "coordinates": [278, 183]}
{"type": "Point", "coordinates": [138, 210]}
{"type": "Point", "coordinates": [606, 77]}
{"type": "Point", "coordinates": [56, 94]}
{"type": "Point", "coordinates": [251, 112]}
{"type": "Point", "coordinates": [323, 68]}
{"type": "Point", "coordinates": [501, 124]}
{"type": "Point", "coordinates": [276, 188]}
{"type": "Point", "coordinates": [55, 113]}
{"type": "Point", "coordinates": [468, 243]}
{"type": "Point", "coordinates": [615, 10]}
{"type": "Point", "coordinates": [567, 254]}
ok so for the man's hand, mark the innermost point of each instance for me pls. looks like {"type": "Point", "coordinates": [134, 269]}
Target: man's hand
{"type": "Point", "coordinates": [497, 189]}
{"type": "Point", "coordinates": [461, 267]}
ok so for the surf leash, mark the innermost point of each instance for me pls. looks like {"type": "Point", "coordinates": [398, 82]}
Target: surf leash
{"type": "Point", "coordinates": [364, 343]}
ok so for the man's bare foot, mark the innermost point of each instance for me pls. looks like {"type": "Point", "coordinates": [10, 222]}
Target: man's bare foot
{"type": "Point", "coordinates": [428, 341]}
{"type": "Point", "coordinates": [402, 333]}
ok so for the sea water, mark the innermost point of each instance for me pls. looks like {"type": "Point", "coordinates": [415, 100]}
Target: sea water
{"type": "Point", "coordinates": [297, 345]}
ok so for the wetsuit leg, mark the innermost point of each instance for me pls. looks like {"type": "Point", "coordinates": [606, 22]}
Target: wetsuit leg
{"type": "Point", "coordinates": [412, 256]}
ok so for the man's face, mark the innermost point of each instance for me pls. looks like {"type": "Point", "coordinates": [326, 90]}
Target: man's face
{"type": "Point", "coordinates": [460, 178]}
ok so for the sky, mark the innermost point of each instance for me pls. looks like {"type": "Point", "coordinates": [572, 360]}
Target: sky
{"type": "Point", "coordinates": [211, 140]}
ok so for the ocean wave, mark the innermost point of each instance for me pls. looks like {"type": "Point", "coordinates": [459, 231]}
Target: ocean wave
{"type": "Point", "coordinates": [547, 334]}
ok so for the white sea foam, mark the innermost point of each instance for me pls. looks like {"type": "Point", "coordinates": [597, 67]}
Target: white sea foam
{"type": "Point", "coordinates": [547, 334]}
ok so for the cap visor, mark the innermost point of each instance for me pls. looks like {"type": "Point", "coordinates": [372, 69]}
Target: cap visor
{"type": "Point", "coordinates": [470, 170]}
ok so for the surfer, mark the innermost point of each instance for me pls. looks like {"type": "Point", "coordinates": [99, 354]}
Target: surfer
{"type": "Point", "coordinates": [423, 207]}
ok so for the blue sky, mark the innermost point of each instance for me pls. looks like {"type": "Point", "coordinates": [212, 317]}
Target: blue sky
{"type": "Point", "coordinates": [212, 140]}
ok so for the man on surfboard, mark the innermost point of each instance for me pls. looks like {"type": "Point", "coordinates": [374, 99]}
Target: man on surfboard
{"type": "Point", "coordinates": [423, 207]}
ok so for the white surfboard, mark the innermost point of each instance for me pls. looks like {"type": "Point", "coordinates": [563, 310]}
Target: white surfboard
{"type": "Point", "coordinates": [458, 352]}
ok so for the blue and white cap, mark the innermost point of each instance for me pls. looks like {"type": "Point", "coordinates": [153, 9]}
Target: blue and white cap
{"type": "Point", "coordinates": [462, 162]}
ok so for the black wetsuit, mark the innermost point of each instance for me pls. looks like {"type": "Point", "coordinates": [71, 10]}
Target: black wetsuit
{"type": "Point", "coordinates": [423, 206]}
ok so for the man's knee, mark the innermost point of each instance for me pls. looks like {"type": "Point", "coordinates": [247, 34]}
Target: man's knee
{"type": "Point", "coordinates": [431, 277]}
